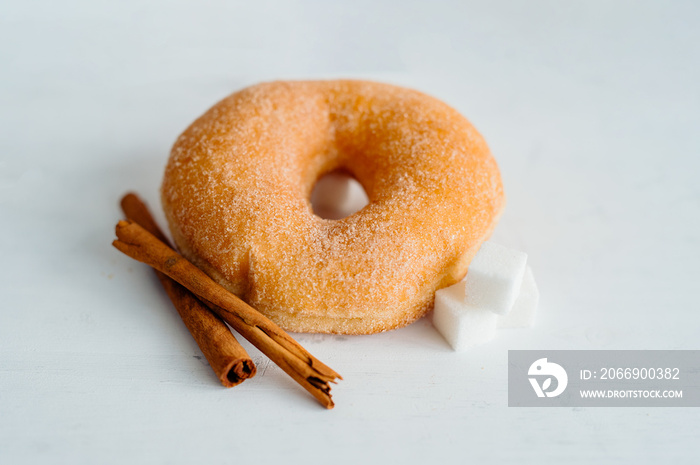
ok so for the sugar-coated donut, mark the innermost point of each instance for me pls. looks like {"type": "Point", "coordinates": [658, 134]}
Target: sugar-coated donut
{"type": "Point", "coordinates": [237, 187]}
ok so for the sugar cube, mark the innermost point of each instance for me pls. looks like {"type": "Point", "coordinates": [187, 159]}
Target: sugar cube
{"type": "Point", "coordinates": [494, 278]}
{"type": "Point", "coordinates": [330, 191]}
{"type": "Point", "coordinates": [522, 315]}
{"type": "Point", "coordinates": [337, 195]}
{"type": "Point", "coordinates": [461, 325]}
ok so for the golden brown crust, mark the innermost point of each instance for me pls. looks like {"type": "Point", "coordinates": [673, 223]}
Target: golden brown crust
{"type": "Point", "coordinates": [237, 187]}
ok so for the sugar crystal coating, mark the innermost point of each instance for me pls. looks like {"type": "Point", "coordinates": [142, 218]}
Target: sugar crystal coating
{"type": "Point", "coordinates": [237, 187]}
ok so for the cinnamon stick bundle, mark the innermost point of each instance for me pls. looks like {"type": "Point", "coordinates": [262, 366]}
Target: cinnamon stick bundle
{"type": "Point", "coordinates": [227, 357]}
{"type": "Point", "coordinates": [289, 355]}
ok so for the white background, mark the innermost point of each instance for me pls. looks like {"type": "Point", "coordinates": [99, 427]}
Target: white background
{"type": "Point", "coordinates": [590, 108]}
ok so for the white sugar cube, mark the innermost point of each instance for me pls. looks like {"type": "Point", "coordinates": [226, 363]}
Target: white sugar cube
{"type": "Point", "coordinates": [337, 195]}
{"type": "Point", "coordinates": [522, 315]}
{"type": "Point", "coordinates": [494, 278]}
{"type": "Point", "coordinates": [357, 198]}
{"type": "Point", "coordinates": [331, 191]}
{"type": "Point", "coordinates": [460, 324]}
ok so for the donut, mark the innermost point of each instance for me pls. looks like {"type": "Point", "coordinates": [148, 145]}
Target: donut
{"type": "Point", "coordinates": [238, 181]}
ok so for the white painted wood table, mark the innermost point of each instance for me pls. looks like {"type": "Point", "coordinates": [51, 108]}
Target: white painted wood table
{"type": "Point", "coordinates": [591, 109]}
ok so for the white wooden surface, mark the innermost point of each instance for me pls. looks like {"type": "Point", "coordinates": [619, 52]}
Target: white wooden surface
{"type": "Point", "coordinates": [591, 108]}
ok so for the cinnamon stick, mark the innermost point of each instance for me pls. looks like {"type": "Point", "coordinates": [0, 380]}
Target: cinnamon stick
{"type": "Point", "coordinates": [289, 355]}
{"type": "Point", "coordinates": [227, 357]}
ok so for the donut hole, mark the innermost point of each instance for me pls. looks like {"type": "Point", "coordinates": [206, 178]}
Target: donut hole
{"type": "Point", "coordinates": [337, 195]}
